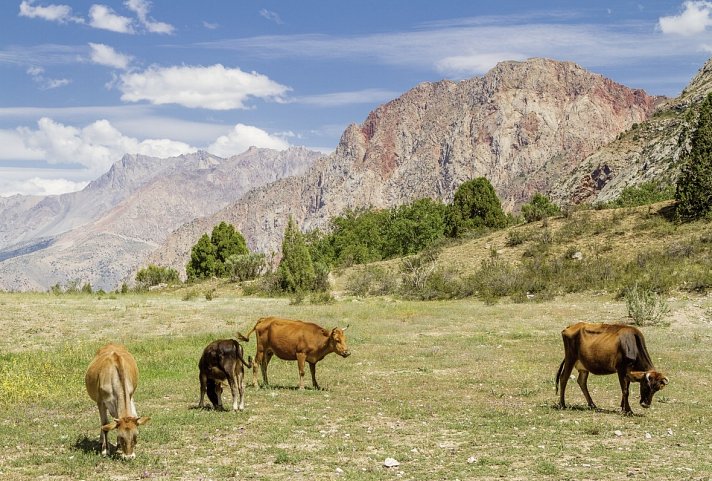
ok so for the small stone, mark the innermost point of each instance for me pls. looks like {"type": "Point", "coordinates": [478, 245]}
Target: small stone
{"type": "Point", "coordinates": [618, 432]}
{"type": "Point", "coordinates": [390, 463]}
{"type": "Point", "coordinates": [339, 471]}
{"type": "Point", "coordinates": [471, 459]}
{"type": "Point", "coordinates": [648, 436]}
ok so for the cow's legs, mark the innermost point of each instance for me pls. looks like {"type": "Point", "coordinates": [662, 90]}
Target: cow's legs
{"type": "Point", "coordinates": [241, 387]}
{"type": "Point", "coordinates": [203, 388]}
{"type": "Point", "coordinates": [581, 380]}
{"type": "Point", "coordinates": [233, 390]}
{"type": "Point", "coordinates": [625, 385]}
{"type": "Point", "coordinates": [301, 358]}
{"type": "Point", "coordinates": [312, 368]}
{"type": "Point", "coordinates": [259, 355]}
{"type": "Point", "coordinates": [563, 380]}
{"type": "Point", "coordinates": [265, 362]}
{"type": "Point", "coordinates": [104, 436]}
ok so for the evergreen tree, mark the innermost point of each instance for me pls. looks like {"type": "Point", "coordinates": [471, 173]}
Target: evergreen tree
{"type": "Point", "coordinates": [227, 242]}
{"type": "Point", "coordinates": [694, 184]}
{"type": "Point", "coordinates": [475, 205]}
{"type": "Point", "coordinates": [296, 271]}
{"type": "Point", "coordinates": [203, 260]}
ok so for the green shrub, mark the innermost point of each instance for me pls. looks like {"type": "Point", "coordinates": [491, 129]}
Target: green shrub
{"type": "Point", "coordinates": [245, 267]}
{"type": "Point", "coordinates": [154, 275]}
{"type": "Point", "coordinates": [372, 280]}
{"type": "Point", "coordinates": [643, 194]}
{"type": "Point", "coordinates": [645, 307]}
{"type": "Point", "coordinates": [539, 208]}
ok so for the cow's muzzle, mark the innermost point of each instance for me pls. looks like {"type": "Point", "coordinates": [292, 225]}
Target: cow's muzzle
{"type": "Point", "coordinates": [644, 404]}
{"type": "Point", "coordinates": [345, 353]}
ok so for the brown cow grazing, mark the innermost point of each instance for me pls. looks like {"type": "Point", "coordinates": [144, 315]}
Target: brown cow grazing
{"type": "Point", "coordinates": [222, 360]}
{"type": "Point", "coordinates": [294, 340]}
{"type": "Point", "coordinates": [111, 380]}
{"type": "Point", "coordinates": [607, 349]}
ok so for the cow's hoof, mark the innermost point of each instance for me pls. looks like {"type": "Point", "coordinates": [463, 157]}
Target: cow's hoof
{"type": "Point", "coordinates": [593, 407]}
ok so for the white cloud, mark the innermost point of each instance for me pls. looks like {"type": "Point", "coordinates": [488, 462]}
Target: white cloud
{"type": "Point", "coordinates": [465, 65]}
{"type": "Point", "coordinates": [51, 13]}
{"type": "Point", "coordinates": [14, 148]}
{"type": "Point", "coordinates": [141, 8]}
{"type": "Point", "coordinates": [242, 137]}
{"type": "Point", "coordinates": [105, 18]}
{"type": "Point", "coordinates": [695, 18]}
{"type": "Point", "coordinates": [44, 83]}
{"type": "Point", "coordinates": [431, 47]}
{"type": "Point", "coordinates": [38, 185]}
{"type": "Point", "coordinates": [214, 87]}
{"type": "Point", "coordinates": [95, 146]}
{"type": "Point", "coordinates": [106, 55]}
{"type": "Point", "coordinates": [211, 25]}
{"type": "Point", "coordinates": [271, 16]}
{"type": "Point", "coordinates": [339, 99]}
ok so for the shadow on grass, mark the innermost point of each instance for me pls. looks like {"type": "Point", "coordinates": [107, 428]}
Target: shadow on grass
{"type": "Point", "coordinates": [580, 407]}
{"type": "Point", "coordinates": [87, 445]}
{"type": "Point", "coordinates": [281, 387]}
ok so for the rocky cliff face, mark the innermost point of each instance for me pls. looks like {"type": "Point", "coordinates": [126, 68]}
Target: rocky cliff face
{"type": "Point", "coordinates": [647, 151]}
{"type": "Point", "coordinates": [103, 233]}
{"type": "Point", "coordinates": [523, 125]}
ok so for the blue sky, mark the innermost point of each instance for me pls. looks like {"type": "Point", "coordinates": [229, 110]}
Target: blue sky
{"type": "Point", "coordinates": [84, 82]}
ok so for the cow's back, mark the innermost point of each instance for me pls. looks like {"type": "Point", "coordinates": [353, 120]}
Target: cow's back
{"type": "Point", "coordinates": [601, 347]}
{"type": "Point", "coordinates": [286, 337]}
{"type": "Point", "coordinates": [111, 366]}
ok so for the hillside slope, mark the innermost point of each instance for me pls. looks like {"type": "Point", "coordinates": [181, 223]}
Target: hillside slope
{"type": "Point", "coordinates": [522, 126]}
{"type": "Point", "coordinates": [648, 151]}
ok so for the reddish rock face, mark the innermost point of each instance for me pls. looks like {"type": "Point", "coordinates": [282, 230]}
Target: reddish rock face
{"type": "Point", "coordinates": [524, 126]}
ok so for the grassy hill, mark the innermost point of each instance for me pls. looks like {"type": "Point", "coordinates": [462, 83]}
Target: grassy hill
{"type": "Point", "coordinates": [585, 250]}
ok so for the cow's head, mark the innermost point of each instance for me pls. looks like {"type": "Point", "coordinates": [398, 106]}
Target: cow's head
{"type": "Point", "coordinates": [337, 341]}
{"type": "Point", "coordinates": [650, 383]}
{"type": "Point", "coordinates": [126, 433]}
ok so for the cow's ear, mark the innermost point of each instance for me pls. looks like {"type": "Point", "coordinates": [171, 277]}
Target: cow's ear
{"type": "Point", "coordinates": [111, 426]}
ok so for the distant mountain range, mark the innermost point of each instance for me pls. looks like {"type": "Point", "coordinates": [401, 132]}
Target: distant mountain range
{"type": "Point", "coordinates": [533, 126]}
{"type": "Point", "coordinates": [100, 234]}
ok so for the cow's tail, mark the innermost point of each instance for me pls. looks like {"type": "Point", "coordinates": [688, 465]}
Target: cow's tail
{"type": "Point", "coordinates": [558, 375]}
{"type": "Point", "coordinates": [247, 337]}
{"type": "Point", "coordinates": [240, 353]}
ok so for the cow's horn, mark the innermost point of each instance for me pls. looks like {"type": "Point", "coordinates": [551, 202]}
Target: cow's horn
{"type": "Point", "coordinates": [647, 377]}
{"type": "Point", "coordinates": [665, 381]}
{"type": "Point", "coordinates": [344, 328]}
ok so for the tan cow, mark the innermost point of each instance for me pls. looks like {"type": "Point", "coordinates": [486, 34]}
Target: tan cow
{"type": "Point", "coordinates": [294, 340]}
{"type": "Point", "coordinates": [608, 349]}
{"type": "Point", "coordinates": [111, 380]}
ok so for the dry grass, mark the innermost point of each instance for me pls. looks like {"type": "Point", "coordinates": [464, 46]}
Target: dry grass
{"type": "Point", "coordinates": [452, 390]}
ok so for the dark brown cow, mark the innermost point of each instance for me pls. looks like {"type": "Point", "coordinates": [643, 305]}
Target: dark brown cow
{"type": "Point", "coordinates": [111, 380]}
{"type": "Point", "coordinates": [607, 349]}
{"type": "Point", "coordinates": [294, 340]}
{"type": "Point", "coordinates": [223, 360]}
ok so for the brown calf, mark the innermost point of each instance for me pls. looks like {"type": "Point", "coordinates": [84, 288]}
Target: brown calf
{"type": "Point", "coordinates": [223, 360]}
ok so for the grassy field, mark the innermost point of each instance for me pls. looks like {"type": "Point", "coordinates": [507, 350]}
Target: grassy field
{"type": "Point", "coordinates": [452, 390]}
